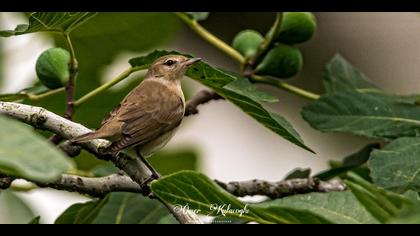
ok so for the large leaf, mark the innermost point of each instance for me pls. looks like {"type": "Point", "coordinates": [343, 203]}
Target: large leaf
{"type": "Point", "coordinates": [397, 165]}
{"type": "Point", "coordinates": [340, 75]}
{"type": "Point", "coordinates": [382, 204]}
{"type": "Point", "coordinates": [351, 162]}
{"type": "Point", "coordinates": [50, 21]}
{"type": "Point", "coordinates": [239, 92]}
{"type": "Point", "coordinates": [368, 114]}
{"type": "Point", "coordinates": [409, 214]}
{"type": "Point", "coordinates": [336, 207]}
{"type": "Point", "coordinates": [194, 191]}
{"type": "Point", "coordinates": [117, 208]}
{"type": "Point", "coordinates": [13, 209]}
{"type": "Point", "coordinates": [23, 153]}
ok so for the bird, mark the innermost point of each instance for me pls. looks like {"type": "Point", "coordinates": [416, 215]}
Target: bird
{"type": "Point", "coordinates": [148, 117]}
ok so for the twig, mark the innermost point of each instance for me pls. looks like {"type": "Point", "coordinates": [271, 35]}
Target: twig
{"type": "Point", "coordinates": [5, 181]}
{"type": "Point", "coordinates": [281, 188]}
{"type": "Point", "coordinates": [97, 187]}
{"type": "Point", "coordinates": [69, 88]}
{"type": "Point", "coordinates": [202, 97]}
{"type": "Point", "coordinates": [285, 86]}
{"type": "Point", "coordinates": [43, 119]}
{"type": "Point", "coordinates": [73, 67]}
{"type": "Point", "coordinates": [70, 149]}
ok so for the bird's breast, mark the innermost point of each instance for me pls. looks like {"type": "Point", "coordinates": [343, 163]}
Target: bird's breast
{"type": "Point", "coordinates": [155, 145]}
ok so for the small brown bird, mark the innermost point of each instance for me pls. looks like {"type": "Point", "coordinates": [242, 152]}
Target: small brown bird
{"type": "Point", "coordinates": [149, 115]}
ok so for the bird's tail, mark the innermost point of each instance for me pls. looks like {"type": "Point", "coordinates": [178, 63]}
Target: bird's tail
{"type": "Point", "coordinates": [85, 137]}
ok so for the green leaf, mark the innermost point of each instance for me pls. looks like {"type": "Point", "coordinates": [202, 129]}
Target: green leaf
{"type": "Point", "coordinates": [397, 166]}
{"type": "Point", "coordinates": [194, 191]}
{"type": "Point", "coordinates": [372, 115]}
{"type": "Point", "coordinates": [298, 173]}
{"type": "Point", "coordinates": [240, 93]}
{"type": "Point", "coordinates": [50, 21]}
{"type": "Point", "coordinates": [24, 153]}
{"type": "Point", "coordinates": [13, 209]}
{"type": "Point", "coordinates": [379, 202]}
{"type": "Point", "coordinates": [371, 204]}
{"type": "Point", "coordinates": [335, 207]}
{"type": "Point", "coordinates": [340, 76]}
{"type": "Point", "coordinates": [169, 161]}
{"type": "Point", "coordinates": [35, 221]}
{"type": "Point", "coordinates": [10, 97]}
{"type": "Point", "coordinates": [350, 162]}
{"type": "Point", "coordinates": [409, 214]}
{"type": "Point", "coordinates": [244, 87]}
{"type": "Point", "coordinates": [117, 208]}
{"type": "Point", "coordinates": [198, 16]}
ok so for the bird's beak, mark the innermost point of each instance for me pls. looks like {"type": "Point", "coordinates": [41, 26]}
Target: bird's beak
{"type": "Point", "coordinates": [191, 61]}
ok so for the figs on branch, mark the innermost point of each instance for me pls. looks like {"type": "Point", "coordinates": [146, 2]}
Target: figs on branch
{"type": "Point", "coordinates": [296, 27]}
{"type": "Point", "coordinates": [282, 61]}
{"type": "Point", "coordinates": [52, 67]}
{"type": "Point", "coordinates": [247, 42]}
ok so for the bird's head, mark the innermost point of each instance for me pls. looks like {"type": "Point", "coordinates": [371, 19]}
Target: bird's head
{"type": "Point", "coordinates": [171, 67]}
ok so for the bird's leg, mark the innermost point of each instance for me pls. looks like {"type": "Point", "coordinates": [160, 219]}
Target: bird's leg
{"type": "Point", "coordinates": [155, 174]}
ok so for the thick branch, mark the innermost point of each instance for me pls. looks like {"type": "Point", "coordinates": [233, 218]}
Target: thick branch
{"type": "Point", "coordinates": [98, 187]}
{"type": "Point", "coordinates": [202, 97]}
{"type": "Point", "coordinates": [281, 188]}
{"type": "Point", "coordinates": [43, 119]}
{"type": "Point", "coordinates": [5, 181]}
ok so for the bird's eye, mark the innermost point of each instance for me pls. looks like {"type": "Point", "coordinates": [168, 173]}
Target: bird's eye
{"type": "Point", "coordinates": [170, 62]}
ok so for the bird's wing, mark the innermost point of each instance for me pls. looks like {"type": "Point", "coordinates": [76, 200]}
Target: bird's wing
{"type": "Point", "coordinates": [148, 112]}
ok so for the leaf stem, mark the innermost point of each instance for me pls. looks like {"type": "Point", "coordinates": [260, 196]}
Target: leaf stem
{"type": "Point", "coordinates": [35, 97]}
{"type": "Point", "coordinates": [69, 88]}
{"type": "Point", "coordinates": [109, 84]}
{"type": "Point", "coordinates": [285, 86]}
{"type": "Point", "coordinates": [197, 28]}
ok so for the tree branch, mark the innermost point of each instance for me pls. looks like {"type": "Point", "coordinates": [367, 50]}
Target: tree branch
{"type": "Point", "coordinates": [97, 187]}
{"type": "Point", "coordinates": [202, 97]}
{"type": "Point", "coordinates": [43, 119]}
{"type": "Point", "coordinates": [281, 188]}
{"type": "Point", "coordinates": [73, 67]}
{"type": "Point", "coordinates": [69, 88]}
{"type": "Point", "coordinates": [5, 181]}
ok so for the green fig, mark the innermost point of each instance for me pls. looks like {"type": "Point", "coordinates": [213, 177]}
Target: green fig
{"type": "Point", "coordinates": [247, 42]}
{"type": "Point", "coordinates": [282, 61]}
{"type": "Point", "coordinates": [52, 67]}
{"type": "Point", "coordinates": [296, 27]}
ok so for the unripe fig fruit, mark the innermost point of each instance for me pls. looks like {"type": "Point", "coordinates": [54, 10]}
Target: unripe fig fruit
{"type": "Point", "coordinates": [52, 67]}
{"type": "Point", "coordinates": [296, 27]}
{"type": "Point", "coordinates": [282, 61]}
{"type": "Point", "coordinates": [247, 42]}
